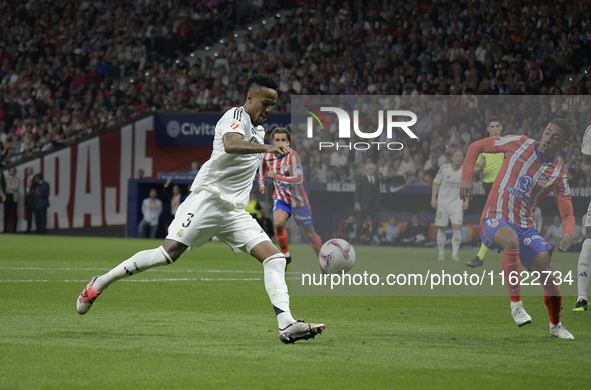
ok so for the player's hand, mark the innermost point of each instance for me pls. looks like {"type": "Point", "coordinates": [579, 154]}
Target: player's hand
{"type": "Point", "coordinates": [434, 203]}
{"type": "Point", "coordinates": [262, 189]}
{"type": "Point", "coordinates": [280, 149]}
{"type": "Point", "coordinates": [271, 174]}
{"type": "Point", "coordinates": [357, 207]}
{"type": "Point", "coordinates": [466, 189]}
{"type": "Point", "coordinates": [167, 182]}
{"type": "Point", "coordinates": [565, 242]}
{"type": "Point", "coordinates": [466, 204]}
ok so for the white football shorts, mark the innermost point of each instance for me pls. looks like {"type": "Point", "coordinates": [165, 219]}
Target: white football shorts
{"type": "Point", "coordinates": [443, 216]}
{"type": "Point", "coordinates": [202, 216]}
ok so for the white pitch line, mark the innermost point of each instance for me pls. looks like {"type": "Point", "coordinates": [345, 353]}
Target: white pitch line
{"type": "Point", "coordinates": [107, 269]}
{"type": "Point", "coordinates": [142, 280]}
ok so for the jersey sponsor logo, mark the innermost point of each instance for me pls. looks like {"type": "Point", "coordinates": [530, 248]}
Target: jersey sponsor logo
{"type": "Point", "coordinates": [253, 131]}
{"type": "Point", "coordinates": [254, 140]}
{"type": "Point", "coordinates": [527, 241]}
{"type": "Point", "coordinates": [173, 129]}
{"type": "Point", "coordinates": [525, 183]}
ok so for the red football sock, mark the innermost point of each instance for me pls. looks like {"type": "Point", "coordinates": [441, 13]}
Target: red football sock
{"type": "Point", "coordinates": [282, 240]}
{"type": "Point", "coordinates": [512, 267]}
{"type": "Point", "coordinates": [316, 244]}
{"type": "Point", "coordinates": [553, 301]}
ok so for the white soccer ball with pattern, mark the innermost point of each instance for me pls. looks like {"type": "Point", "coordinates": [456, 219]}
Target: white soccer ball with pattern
{"type": "Point", "coordinates": [336, 256]}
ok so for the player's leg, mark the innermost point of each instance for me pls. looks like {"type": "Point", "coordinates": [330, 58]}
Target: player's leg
{"type": "Point", "coordinates": [542, 263]}
{"type": "Point", "coordinates": [273, 262]}
{"type": "Point", "coordinates": [505, 238]}
{"type": "Point", "coordinates": [139, 262]}
{"type": "Point", "coordinates": [313, 238]}
{"type": "Point", "coordinates": [244, 233]}
{"type": "Point", "coordinates": [441, 221]}
{"type": "Point", "coordinates": [192, 226]}
{"type": "Point", "coordinates": [456, 218]}
{"type": "Point", "coordinates": [303, 217]}
{"type": "Point", "coordinates": [281, 212]}
{"type": "Point", "coordinates": [456, 240]}
{"type": "Point", "coordinates": [479, 259]}
{"type": "Point", "coordinates": [584, 267]}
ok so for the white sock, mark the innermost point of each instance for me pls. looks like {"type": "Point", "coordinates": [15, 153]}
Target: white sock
{"type": "Point", "coordinates": [456, 240]}
{"type": "Point", "coordinates": [139, 262]}
{"type": "Point", "coordinates": [584, 269]}
{"type": "Point", "coordinates": [441, 243]}
{"type": "Point", "coordinates": [274, 267]}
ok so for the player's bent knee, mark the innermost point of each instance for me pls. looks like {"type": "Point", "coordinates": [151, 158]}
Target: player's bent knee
{"type": "Point", "coordinates": [174, 249]}
{"type": "Point", "coordinates": [263, 250]}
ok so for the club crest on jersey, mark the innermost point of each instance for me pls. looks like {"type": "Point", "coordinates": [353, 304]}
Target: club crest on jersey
{"type": "Point", "coordinates": [180, 233]}
{"type": "Point", "coordinates": [543, 180]}
{"type": "Point", "coordinates": [492, 222]}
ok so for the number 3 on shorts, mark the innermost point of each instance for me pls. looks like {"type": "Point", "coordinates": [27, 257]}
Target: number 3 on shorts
{"type": "Point", "coordinates": [188, 221]}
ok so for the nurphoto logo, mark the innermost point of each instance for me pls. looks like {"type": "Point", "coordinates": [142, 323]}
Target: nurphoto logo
{"type": "Point", "coordinates": [393, 118]}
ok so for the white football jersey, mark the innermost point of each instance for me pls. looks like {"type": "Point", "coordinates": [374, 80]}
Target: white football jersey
{"type": "Point", "coordinates": [449, 187]}
{"type": "Point", "coordinates": [230, 176]}
{"type": "Point", "coordinates": [586, 146]}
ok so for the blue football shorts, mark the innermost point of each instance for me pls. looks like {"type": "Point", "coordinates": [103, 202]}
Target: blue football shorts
{"type": "Point", "coordinates": [531, 241]}
{"type": "Point", "coordinates": [302, 215]}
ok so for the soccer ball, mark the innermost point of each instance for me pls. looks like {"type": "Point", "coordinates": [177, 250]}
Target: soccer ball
{"type": "Point", "coordinates": [336, 256]}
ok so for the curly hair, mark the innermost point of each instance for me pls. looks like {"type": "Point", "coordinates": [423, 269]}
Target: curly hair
{"type": "Point", "coordinates": [260, 80]}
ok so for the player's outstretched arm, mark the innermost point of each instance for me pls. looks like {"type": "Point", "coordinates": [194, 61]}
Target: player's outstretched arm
{"type": "Point", "coordinates": [234, 144]}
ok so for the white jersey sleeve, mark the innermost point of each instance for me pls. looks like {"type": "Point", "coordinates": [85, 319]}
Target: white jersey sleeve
{"type": "Point", "coordinates": [586, 145]}
{"type": "Point", "coordinates": [229, 176]}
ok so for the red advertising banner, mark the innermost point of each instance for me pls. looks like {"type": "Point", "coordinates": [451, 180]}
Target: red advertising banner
{"type": "Point", "coordinates": [89, 181]}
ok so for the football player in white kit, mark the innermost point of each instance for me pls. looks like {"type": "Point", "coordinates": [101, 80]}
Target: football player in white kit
{"type": "Point", "coordinates": [445, 198]}
{"type": "Point", "coordinates": [216, 207]}
{"type": "Point", "coordinates": [584, 264]}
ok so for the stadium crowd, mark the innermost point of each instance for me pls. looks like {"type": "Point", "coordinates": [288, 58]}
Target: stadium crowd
{"type": "Point", "coordinates": [69, 69]}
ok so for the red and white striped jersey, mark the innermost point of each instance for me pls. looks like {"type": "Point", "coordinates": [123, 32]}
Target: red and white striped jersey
{"type": "Point", "coordinates": [289, 177]}
{"type": "Point", "coordinates": [523, 181]}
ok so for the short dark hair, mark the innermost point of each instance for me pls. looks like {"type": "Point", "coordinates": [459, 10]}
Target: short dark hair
{"type": "Point", "coordinates": [259, 80]}
{"type": "Point", "coordinates": [493, 118]}
{"type": "Point", "coordinates": [564, 126]}
{"type": "Point", "coordinates": [281, 130]}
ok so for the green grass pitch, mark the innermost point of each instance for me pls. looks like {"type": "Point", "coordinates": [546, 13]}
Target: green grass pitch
{"type": "Point", "coordinates": [206, 322]}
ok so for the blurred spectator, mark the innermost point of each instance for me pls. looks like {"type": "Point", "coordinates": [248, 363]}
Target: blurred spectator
{"type": "Point", "coordinates": [194, 170]}
{"type": "Point", "coordinates": [367, 198]}
{"type": "Point", "coordinates": [41, 204]}
{"type": "Point", "coordinates": [415, 233]}
{"type": "Point", "coordinates": [387, 234]}
{"type": "Point", "coordinates": [151, 210]}
{"type": "Point", "coordinates": [11, 201]}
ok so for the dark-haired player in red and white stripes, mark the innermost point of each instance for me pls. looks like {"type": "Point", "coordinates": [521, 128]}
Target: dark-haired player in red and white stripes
{"type": "Point", "coordinates": [289, 197]}
{"type": "Point", "coordinates": [531, 171]}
